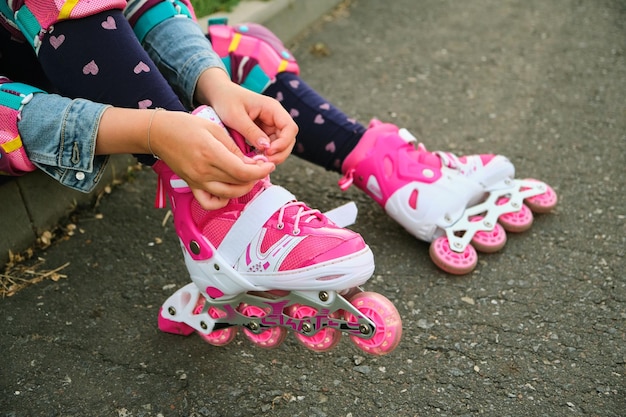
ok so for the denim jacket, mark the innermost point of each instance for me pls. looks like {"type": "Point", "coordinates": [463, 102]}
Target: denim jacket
{"type": "Point", "coordinates": [59, 134]}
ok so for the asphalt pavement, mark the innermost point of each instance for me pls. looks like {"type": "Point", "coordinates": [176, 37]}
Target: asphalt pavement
{"type": "Point", "coordinates": [537, 330]}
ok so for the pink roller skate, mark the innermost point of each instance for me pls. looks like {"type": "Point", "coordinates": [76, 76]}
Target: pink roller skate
{"type": "Point", "coordinates": [268, 263]}
{"type": "Point", "coordinates": [460, 204]}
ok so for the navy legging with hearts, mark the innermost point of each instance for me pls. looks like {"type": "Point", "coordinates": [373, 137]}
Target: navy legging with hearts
{"type": "Point", "coordinates": [326, 134]}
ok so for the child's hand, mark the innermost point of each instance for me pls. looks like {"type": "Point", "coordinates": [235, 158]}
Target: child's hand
{"type": "Point", "coordinates": [264, 123]}
{"type": "Point", "coordinates": [197, 150]}
{"type": "Point", "coordinates": [203, 154]}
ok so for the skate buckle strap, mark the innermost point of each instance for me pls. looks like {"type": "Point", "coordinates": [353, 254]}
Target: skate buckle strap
{"type": "Point", "coordinates": [252, 220]}
{"type": "Point", "coordinates": [346, 181]}
{"type": "Point", "coordinates": [407, 136]}
{"type": "Point", "coordinates": [448, 159]}
{"type": "Point", "coordinates": [348, 178]}
{"type": "Point", "coordinates": [343, 216]}
{"type": "Point", "coordinates": [160, 200]}
{"type": "Point", "coordinates": [177, 184]}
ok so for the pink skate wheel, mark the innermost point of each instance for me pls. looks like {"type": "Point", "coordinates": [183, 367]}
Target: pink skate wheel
{"type": "Point", "coordinates": [267, 339]}
{"type": "Point", "coordinates": [542, 203]}
{"type": "Point", "coordinates": [518, 221]}
{"type": "Point", "coordinates": [386, 318]}
{"type": "Point", "coordinates": [218, 337]}
{"type": "Point", "coordinates": [489, 241]}
{"type": "Point", "coordinates": [456, 263]}
{"type": "Point", "coordinates": [322, 341]}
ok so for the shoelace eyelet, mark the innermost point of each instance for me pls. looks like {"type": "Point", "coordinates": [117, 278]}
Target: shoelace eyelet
{"type": "Point", "coordinates": [280, 226]}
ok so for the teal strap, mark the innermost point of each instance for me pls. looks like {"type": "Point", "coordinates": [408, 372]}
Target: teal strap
{"type": "Point", "coordinates": [7, 11]}
{"type": "Point", "coordinates": [158, 14]}
{"type": "Point", "coordinates": [13, 94]}
{"type": "Point", "coordinates": [218, 21]}
{"type": "Point", "coordinates": [183, 9]}
{"type": "Point", "coordinates": [28, 24]}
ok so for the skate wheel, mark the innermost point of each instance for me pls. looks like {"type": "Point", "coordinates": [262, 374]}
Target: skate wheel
{"type": "Point", "coordinates": [268, 339]}
{"type": "Point", "coordinates": [386, 318]}
{"type": "Point", "coordinates": [220, 337]}
{"type": "Point", "coordinates": [322, 341]}
{"type": "Point", "coordinates": [456, 263]}
{"type": "Point", "coordinates": [489, 241]}
{"type": "Point", "coordinates": [518, 221]}
{"type": "Point", "coordinates": [542, 203]}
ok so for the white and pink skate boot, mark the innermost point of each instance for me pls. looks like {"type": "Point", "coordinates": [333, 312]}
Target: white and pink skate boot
{"type": "Point", "coordinates": [269, 263]}
{"type": "Point", "coordinates": [460, 204]}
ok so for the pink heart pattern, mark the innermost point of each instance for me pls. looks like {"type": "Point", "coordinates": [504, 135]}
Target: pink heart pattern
{"type": "Point", "coordinates": [325, 106]}
{"type": "Point", "coordinates": [57, 41]}
{"type": "Point", "coordinates": [294, 84]}
{"type": "Point", "coordinates": [144, 104]}
{"type": "Point", "coordinates": [109, 24]}
{"type": "Point", "coordinates": [330, 147]}
{"type": "Point", "coordinates": [141, 67]}
{"type": "Point", "coordinates": [319, 120]}
{"type": "Point", "coordinates": [279, 96]}
{"type": "Point", "coordinates": [294, 113]}
{"type": "Point", "coordinates": [91, 68]}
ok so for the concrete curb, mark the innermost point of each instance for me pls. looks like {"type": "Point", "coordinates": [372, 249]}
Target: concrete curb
{"type": "Point", "coordinates": [35, 202]}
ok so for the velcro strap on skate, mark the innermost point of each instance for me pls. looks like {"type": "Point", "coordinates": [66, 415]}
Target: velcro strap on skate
{"type": "Point", "coordinates": [343, 216]}
{"type": "Point", "coordinates": [251, 221]}
{"type": "Point", "coordinates": [157, 14]}
{"type": "Point", "coordinates": [407, 136]}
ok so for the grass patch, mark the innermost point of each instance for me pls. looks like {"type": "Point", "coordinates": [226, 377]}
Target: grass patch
{"type": "Point", "coordinates": [207, 7]}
